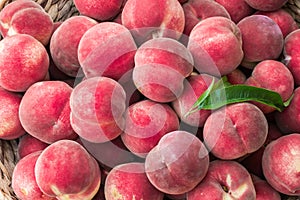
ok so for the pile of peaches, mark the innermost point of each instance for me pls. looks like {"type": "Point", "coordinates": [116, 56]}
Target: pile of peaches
{"type": "Point", "coordinates": [100, 103]}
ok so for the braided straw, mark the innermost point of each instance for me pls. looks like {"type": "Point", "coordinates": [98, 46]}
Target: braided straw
{"type": "Point", "coordinates": [61, 10]}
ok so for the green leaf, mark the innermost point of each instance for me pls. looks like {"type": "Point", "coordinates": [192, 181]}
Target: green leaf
{"type": "Point", "coordinates": [223, 93]}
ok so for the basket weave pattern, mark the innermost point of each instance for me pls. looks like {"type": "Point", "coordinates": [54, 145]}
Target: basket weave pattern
{"type": "Point", "coordinates": [61, 10]}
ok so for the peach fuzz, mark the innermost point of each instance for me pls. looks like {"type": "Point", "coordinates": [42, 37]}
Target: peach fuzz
{"type": "Point", "coordinates": [216, 46]}
{"type": "Point", "coordinates": [97, 108]}
{"type": "Point", "coordinates": [64, 43]}
{"type": "Point", "coordinates": [272, 75]}
{"type": "Point", "coordinates": [10, 124]}
{"type": "Point", "coordinates": [122, 182]}
{"type": "Point", "coordinates": [224, 180]}
{"type": "Point", "coordinates": [266, 5]}
{"type": "Point", "coordinates": [138, 17]}
{"type": "Point", "coordinates": [24, 182]}
{"type": "Point", "coordinates": [280, 164]}
{"type": "Point", "coordinates": [267, 43]}
{"type": "Point", "coordinates": [45, 111]}
{"type": "Point", "coordinates": [177, 163]}
{"type": "Point", "coordinates": [240, 125]}
{"type": "Point", "coordinates": [291, 52]}
{"type": "Point", "coordinates": [54, 177]}
{"type": "Point", "coordinates": [263, 189]}
{"type": "Point", "coordinates": [107, 49]}
{"type": "Point", "coordinates": [285, 21]}
{"type": "Point", "coordinates": [195, 11]}
{"type": "Point", "coordinates": [29, 144]}
{"type": "Point", "coordinates": [39, 24]}
{"type": "Point", "coordinates": [237, 9]}
{"type": "Point", "coordinates": [100, 10]}
{"type": "Point", "coordinates": [146, 123]}
{"type": "Point", "coordinates": [161, 65]}
{"type": "Point", "coordinates": [22, 67]}
{"type": "Point", "coordinates": [288, 120]}
{"type": "Point", "coordinates": [194, 86]}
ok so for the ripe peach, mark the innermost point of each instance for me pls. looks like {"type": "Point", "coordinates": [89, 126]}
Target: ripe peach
{"type": "Point", "coordinates": [29, 144]}
{"type": "Point", "coordinates": [284, 20]}
{"type": "Point", "coordinates": [54, 177]}
{"type": "Point", "coordinates": [64, 43]}
{"type": "Point", "coordinates": [99, 9]}
{"type": "Point", "coordinates": [288, 120]}
{"type": "Point", "coordinates": [263, 190]}
{"type": "Point", "coordinates": [267, 43]}
{"type": "Point", "coordinates": [195, 11]}
{"type": "Point", "coordinates": [106, 49]}
{"type": "Point", "coordinates": [97, 107]}
{"type": "Point", "coordinates": [216, 46]}
{"type": "Point", "coordinates": [236, 77]}
{"type": "Point", "coordinates": [23, 62]}
{"type": "Point", "coordinates": [280, 164]}
{"type": "Point", "coordinates": [24, 181]}
{"type": "Point", "coordinates": [45, 111]}
{"type": "Point", "coordinates": [242, 125]}
{"type": "Point", "coordinates": [139, 18]}
{"type": "Point", "coordinates": [291, 54]}
{"type": "Point", "coordinates": [237, 9]}
{"type": "Point", "coordinates": [26, 17]}
{"type": "Point", "coordinates": [146, 123]}
{"type": "Point", "coordinates": [194, 87]}
{"type": "Point", "coordinates": [177, 163]}
{"type": "Point", "coordinates": [272, 75]}
{"type": "Point", "coordinates": [161, 65]}
{"type": "Point", "coordinates": [123, 182]}
{"type": "Point", "coordinates": [266, 5]}
{"type": "Point", "coordinates": [224, 180]}
{"type": "Point", "coordinates": [10, 124]}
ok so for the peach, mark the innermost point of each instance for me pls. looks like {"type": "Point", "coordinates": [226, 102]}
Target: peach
{"type": "Point", "coordinates": [11, 127]}
{"type": "Point", "coordinates": [252, 162]}
{"type": "Point", "coordinates": [45, 111]}
{"type": "Point", "coordinates": [64, 43]}
{"type": "Point", "coordinates": [224, 180]}
{"type": "Point", "coordinates": [272, 75]}
{"type": "Point", "coordinates": [262, 39]}
{"type": "Point", "coordinates": [97, 107]}
{"type": "Point", "coordinates": [139, 18]}
{"type": "Point", "coordinates": [129, 181]}
{"type": "Point", "coordinates": [29, 144]}
{"type": "Point", "coordinates": [237, 9]}
{"type": "Point", "coordinates": [237, 76]}
{"type": "Point", "coordinates": [240, 125]}
{"type": "Point", "coordinates": [26, 17]}
{"type": "Point", "coordinates": [23, 62]}
{"type": "Point", "coordinates": [106, 49]}
{"type": "Point", "coordinates": [101, 10]}
{"type": "Point", "coordinates": [291, 54]}
{"type": "Point", "coordinates": [266, 5]}
{"type": "Point", "coordinates": [177, 163]}
{"type": "Point", "coordinates": [24, 181]}
{"type": "Point", "coordinates": [104, 152]}
{"type": "Point", "coordinates": [280, 164]}
{"type": "Point", "coordinates": [195, 11]}
{"type": "Point", "coordinates": [216, 46]}
{"type": "Point", "coordinates": [146, 123]}
{"type": "Point", "coordinates": [263, 190]}
{"type": "Point", "coordinates": [285, 21]}
{"type": "Point", "coordinates": [288, 120]}
{"type": "Point", "coordinates": [161, 65]}
{"type": "Point", "coordinates": [54, 177]}
{"type": "Point", "coordinates": [194, 87]}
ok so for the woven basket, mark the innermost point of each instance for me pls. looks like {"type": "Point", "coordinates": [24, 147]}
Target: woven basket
{"type": "Point", "coordinates": [60, 10]}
